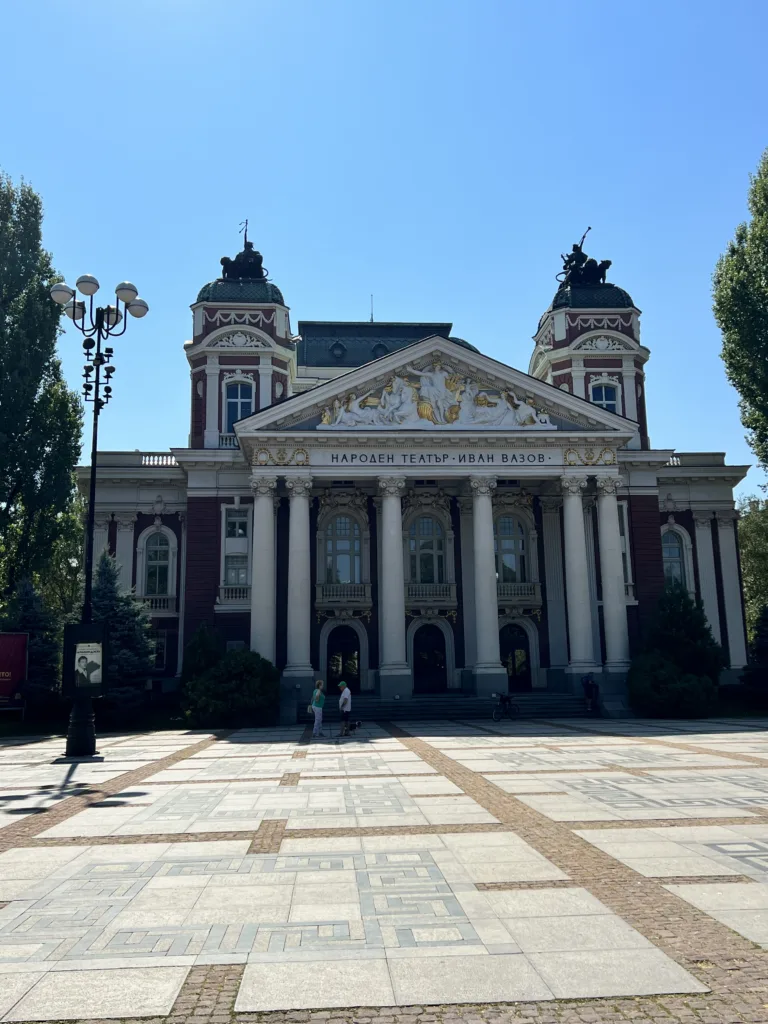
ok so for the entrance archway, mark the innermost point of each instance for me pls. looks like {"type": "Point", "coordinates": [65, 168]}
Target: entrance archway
{"type": "Point", "coordinates": [343, 659]}
{"type": "Point", "coordinates": [430, 668]}
{"type": "Point", "coordinates": [515, 651]}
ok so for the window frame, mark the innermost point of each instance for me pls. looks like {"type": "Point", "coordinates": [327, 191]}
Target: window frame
{"type": "Point", "coordinates": [236, 382]}
{"type": "Point", "coordinates": [331, 552]}
{"type": "Point", "coordinates": [415, 550]}
{"type": "Point", "coordinates": [524, 556]}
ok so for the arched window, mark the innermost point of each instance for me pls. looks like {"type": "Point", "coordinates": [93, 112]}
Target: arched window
{"type": "Point", "coordinates": [509, 545]}
{"type": "Point", "coordinates": [426, 547]}
{"type": "Point", "coordinates": [673, 557]}
{"type": "Point", "coordinates": [239, 404]}
{"type": "Point", "coordinates": [605, 395]}
{"type": "Point", "coordinates": [342, 551]}
{"type": "Point", "coordinates": [158, 562]}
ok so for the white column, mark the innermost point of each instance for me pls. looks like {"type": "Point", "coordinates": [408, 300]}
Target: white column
{"type": "Point", "coordinates": [577, 577]}
{"type": "Point", "coordinates": [263, 608]}
{"type": "Point", "coordinates": [124, 550]}
{"type": "Point", "coordinates": [467, 581]}
{"type": "Point", "coordinates": [299, 578]}
{"type": "Point", "coordinates": [729, 568]}
{"type": "Point", "coordinates": [588, 505]}
{"type": "Point", "coordinates": [630, 393]}
{"type": "Point", "coordinates": [265, 381]}
{"type": "Point", "coordinates": [211, 432]}
{"type": "Point", "coordinates": [486, 598]}
{"type": "Point", "coordinates": [705, 560]}
{"type": "Point", "coordinates": [612, 576]}
{"type": "Point", "coordinates": [393, 659]}
{"type": "Point", "coordinates": [578, 373]}
{"type": "Point", "coordinates": [553, 578]}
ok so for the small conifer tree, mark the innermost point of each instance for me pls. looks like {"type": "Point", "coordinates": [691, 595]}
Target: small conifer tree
{"type": "Point", "coordinates": [131, 651]}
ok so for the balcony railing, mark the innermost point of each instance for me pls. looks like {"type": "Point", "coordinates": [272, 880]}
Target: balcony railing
{"type": "Point", "coordinates": [518, 593]}
{"type": "Point", "coordinates": [228, 441]}
{"type": "Point", "coordinates": [343, 595]}
{"type": "Point", "coordinates": [158, 603]}
{"type": "Point", "coordinates": [234, 595]}
{"type": "Point", "coordinates": [430, 591]}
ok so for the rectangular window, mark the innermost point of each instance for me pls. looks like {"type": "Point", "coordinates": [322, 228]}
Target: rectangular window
{"type": "Point", "coordinates": [160, 638]}
{"type": "Point", "coordinates": [237, 522]}
{"type": "Point", "coordinates": [157, 580]}
{"type": "Point", "coordinates": [236, 571]}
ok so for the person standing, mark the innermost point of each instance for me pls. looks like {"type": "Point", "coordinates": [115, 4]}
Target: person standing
{"type": "Point", "coordinates": [345, 707]}
{"type": "Point", "coordinates": [318, 700]}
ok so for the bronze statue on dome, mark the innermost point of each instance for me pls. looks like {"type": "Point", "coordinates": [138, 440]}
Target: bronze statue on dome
{"type": "Point", "coordinates": [580, 269]}
{"type": "Point", "coordinates": [247, 265]}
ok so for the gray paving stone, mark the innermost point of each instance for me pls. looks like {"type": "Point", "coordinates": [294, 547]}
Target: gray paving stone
{"type": "Point", "coordinates": [472, 979]}
{"type": "Point", "coordinates": [579, 975]}
{"type": "Point", "coordinates": [280, 986]}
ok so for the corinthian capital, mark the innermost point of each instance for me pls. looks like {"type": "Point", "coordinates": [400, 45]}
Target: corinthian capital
{"type": "Point", "coordinates": [573, 484]}
{"type": "Point", "coordinates": [299, 486]}
{"type": "Point", "coordinates": [263, 486]}
{"type": "Point", "coordinates": [484, 485]}
{"type": "Point", "coordinates": [608, 484]}
{"type": "Point", "coordinates": [392, 486]}
{"type": "Point", "coordinates": [702, 519]}
{"type": "Point", "coordinates": [726, 518]}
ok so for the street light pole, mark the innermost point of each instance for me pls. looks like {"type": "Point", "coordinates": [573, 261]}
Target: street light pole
{"type": "Point", "coordinates": [101, 325]}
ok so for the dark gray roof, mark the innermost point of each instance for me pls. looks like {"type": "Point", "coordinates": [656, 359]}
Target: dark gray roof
{"type": "Point", "coordinates": [350, 344]}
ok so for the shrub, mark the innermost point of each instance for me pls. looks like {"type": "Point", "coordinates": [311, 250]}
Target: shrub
{"type": "Point", "coordinates": [676, 675]}
{"type": "Point", "coordinates": [755, 676]}
{"type": "Point", "coordinates": [657, 689]}
{"type": "Point", "coordinates": [240, 690]}
{"type": "Point", "coordinates": [204, 649]}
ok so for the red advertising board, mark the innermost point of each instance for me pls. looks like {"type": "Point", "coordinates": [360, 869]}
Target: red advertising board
{"type": "Point", "coordinates": [13, 665]}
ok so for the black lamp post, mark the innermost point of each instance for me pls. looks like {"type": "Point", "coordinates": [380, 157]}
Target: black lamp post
{"type": "Point", "coordinates": [102, 324]}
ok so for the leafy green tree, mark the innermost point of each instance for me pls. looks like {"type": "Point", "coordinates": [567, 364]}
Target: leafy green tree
{"type": "Point", "coordinates": [40, 418]}
{"type": "Point", "coordinates": [753, 547]}
{"type": "Point", "coordinates": [741, 310]}
{"type": "Point", "coordinates": [756, 673]}
{"type": "Point", "coordinates": [26, 612]}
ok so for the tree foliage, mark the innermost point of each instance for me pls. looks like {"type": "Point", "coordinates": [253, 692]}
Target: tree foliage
{"type": "Point", "coordinates": [27, 612]}
{"type": "Point", "coordinates": [40, 418]}
{"type": "Point", "coordinates": [128, 627]}
{"type": "Point", "coordinates": [240, 690]}
{"type": "Point", "coordinates": [676, 674]}
{"type": "Point", "coordinates": [741, 310]}
{"type": "Point", "coordinates": [756, 673]}
{"type": "Point", "coordinates": [753, 548]}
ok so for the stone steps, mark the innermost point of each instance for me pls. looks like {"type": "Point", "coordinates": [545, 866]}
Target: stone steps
{"type": "Point", "coordinates": [369, 708]}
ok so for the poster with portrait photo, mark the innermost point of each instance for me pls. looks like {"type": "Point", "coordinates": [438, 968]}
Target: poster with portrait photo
{"type": "Point", "coordinates": [88, 663]}
{"type": "Point", "coordinates": [85, 665]}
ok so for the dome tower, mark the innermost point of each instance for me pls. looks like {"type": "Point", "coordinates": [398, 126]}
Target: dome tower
{"type": "Point", "coordinates": [588, 341]}
{"type": "Point", "coordinates": [242, 355]}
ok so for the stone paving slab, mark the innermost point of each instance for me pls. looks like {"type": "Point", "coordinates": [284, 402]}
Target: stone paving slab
{"type": "Point", "coordinates": [505, 912]}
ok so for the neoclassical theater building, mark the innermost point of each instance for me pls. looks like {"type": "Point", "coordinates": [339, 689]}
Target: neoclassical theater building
{"type": "Point", "coordinates": [383, 503]}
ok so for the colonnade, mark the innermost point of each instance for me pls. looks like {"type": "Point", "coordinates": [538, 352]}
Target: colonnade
{"type": "Point", "coordinates": [394, 672]}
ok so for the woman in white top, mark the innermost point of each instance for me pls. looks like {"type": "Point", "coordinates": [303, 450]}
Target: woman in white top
{"type": "Point", "coordinates": [318, 699]}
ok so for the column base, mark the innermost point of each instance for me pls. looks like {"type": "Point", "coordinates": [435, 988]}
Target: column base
{"type": "Point", "coordinates": [395, 681]}
{"type": "Point", "coordinates": [295, 692]}
{"type": "Point", "coordinates": [613, 698]}
{"type": "Point", "coordinates": [490, 680]}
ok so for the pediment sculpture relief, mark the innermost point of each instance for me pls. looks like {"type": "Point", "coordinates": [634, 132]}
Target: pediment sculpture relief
{"type": "Point", "coordinates": [436, 396]}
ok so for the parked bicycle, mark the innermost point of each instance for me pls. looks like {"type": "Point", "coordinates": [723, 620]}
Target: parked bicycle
{"type": "Point", "coordinates": [506, 708]}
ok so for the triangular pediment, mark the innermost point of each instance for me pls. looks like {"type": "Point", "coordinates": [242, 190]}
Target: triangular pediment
{"type": "Point", "coordinates": [435, 385]}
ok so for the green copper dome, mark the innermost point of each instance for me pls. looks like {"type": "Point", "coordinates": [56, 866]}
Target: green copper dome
{"type": "Point", "coordinates": [240, 290]}
{"type": "Point", "coordinates": [591, 296]}
{"type": "Point", "coordinates": [243, 279]}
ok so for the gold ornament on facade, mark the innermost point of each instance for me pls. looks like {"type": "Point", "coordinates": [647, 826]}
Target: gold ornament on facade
{"type": "Point", "coordinates": [590, 457]}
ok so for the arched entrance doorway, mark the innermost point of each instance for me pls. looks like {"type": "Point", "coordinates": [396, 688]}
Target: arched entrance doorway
{"type": "Point", "coordinates": [430, 671]}
{"type": "Point", "coordinates": [343, 659]}
{"type": "Point", "coordinates": [515, 650]}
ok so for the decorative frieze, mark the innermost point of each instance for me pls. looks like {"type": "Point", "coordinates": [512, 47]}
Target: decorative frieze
{"type": "Point", "coordinates": [591, 322]}
{"type": "Point", "coordinates": [238, 339]}
{"type": "Point", "coordinates": [589, 457]}
{"type": "Point", "coordinates": [281, 457]}
{"type": "Point", "coordinates": [224, 317]}
{"type": "Point", "coordinates": [603, 343]}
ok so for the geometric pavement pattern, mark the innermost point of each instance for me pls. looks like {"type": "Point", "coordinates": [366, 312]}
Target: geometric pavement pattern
{"type": "Point", "coordinates": [396, 879]}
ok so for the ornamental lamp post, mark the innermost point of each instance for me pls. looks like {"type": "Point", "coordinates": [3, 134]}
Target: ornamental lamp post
{"type": "Point", "coordinates": [101, 323]}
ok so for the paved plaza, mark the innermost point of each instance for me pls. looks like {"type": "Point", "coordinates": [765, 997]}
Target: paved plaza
{"type": "Point", "coordinates": [438, 871]}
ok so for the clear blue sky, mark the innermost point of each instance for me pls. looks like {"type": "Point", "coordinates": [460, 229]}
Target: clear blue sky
{"type": "Point", "coordinates": [439, 154]}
